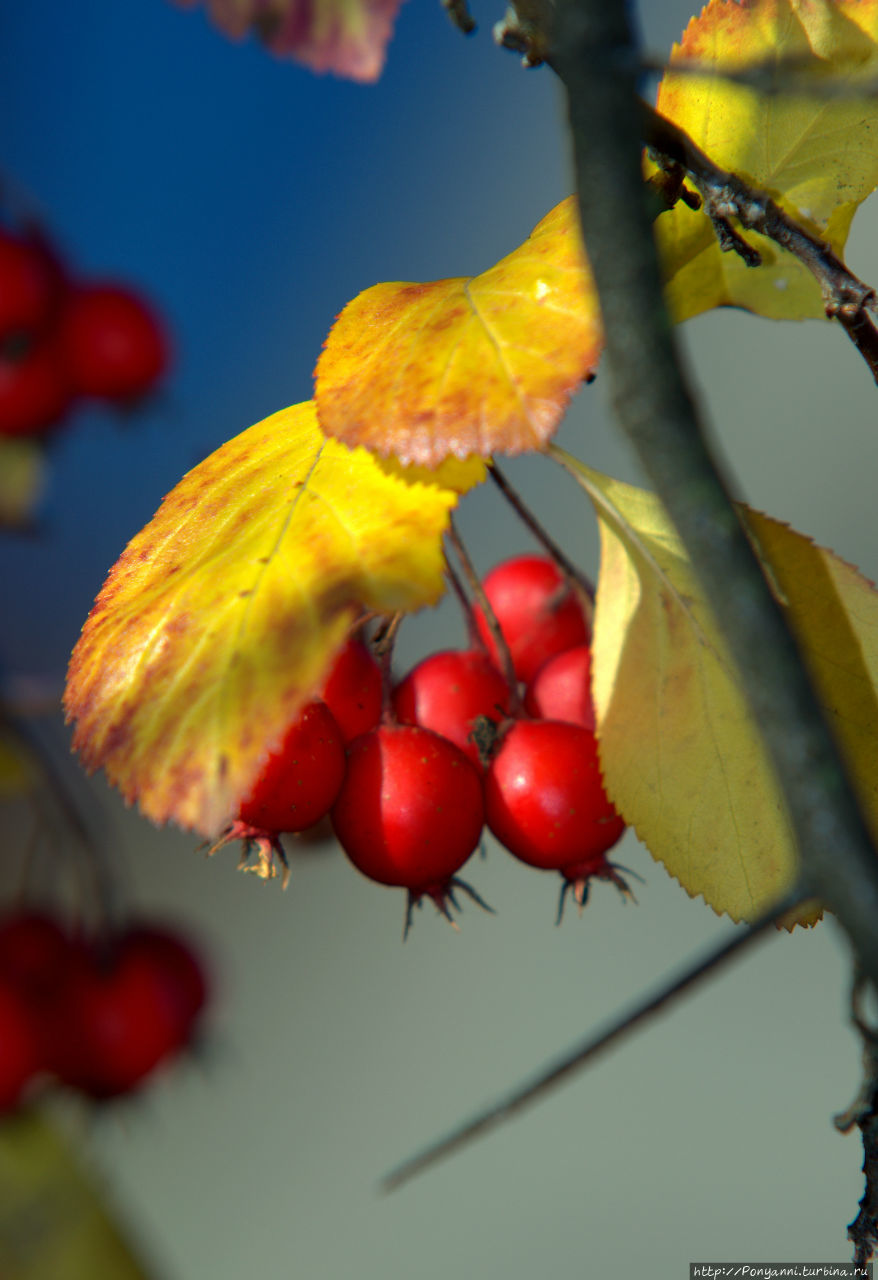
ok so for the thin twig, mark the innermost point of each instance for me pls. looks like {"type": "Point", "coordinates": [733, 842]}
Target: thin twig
{"type": "Point", "coordinates": [583, 1054]}
{"type": "Point", "coordinates": [500, 645]}
{"type": "Point", "coordinates": [595, 54]}
{"type": "Point", "coordinates": [726, 195]}
{"type": "Point", "coordinates": [572, 572]}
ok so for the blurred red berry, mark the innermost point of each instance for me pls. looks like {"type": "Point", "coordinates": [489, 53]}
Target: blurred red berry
{"type": "Point", "coordinates": [30, 285]}
{"type": "Point", "coordinates": [113, 344]}
{"type": "Point", "coordinates": [34, 391]}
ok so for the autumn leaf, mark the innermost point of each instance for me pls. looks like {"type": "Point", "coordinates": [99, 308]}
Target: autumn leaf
{"type": "Point", "coordinates": [348, 37]}
{"type": "Point", "coordinates": [682, 754]}
{"type": "Point", "coordinates": [816, 155]}
{"type": "Point", "coordinates": [224, 613]}
{"type": "Point", "coordinates": [52, 1219]}
{"type": "Point", "coordinates": [465, 366]}
{"type": "Point", "coordinates": [22, 480]}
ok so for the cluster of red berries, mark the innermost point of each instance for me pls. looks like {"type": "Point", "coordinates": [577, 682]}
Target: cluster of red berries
{"type": "Point", "coordinates": [62, 339]}
{"type": "Point", "coordinates": [96, 1016]}
{"type": "Point", "coordinates": [411, 779]}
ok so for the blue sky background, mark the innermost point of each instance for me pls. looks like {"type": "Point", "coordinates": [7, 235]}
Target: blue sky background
{"type": "Point", "coordinates": [251, 200]}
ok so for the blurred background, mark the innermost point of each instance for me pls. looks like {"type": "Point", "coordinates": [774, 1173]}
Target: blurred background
{"type": "Point", "coordinates": [250, 200]}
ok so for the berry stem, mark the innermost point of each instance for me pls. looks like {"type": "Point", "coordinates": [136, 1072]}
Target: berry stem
{"type": "Point", "coordinates": [382, 646]}
{"type": "Point", "coordinates": [475, 585]}
{"type": "Point", "coordinates": [594, 1044]}
{"type": "Point", "coordinates": [473, 635]}
{"type": "Point", "coordinates": [583, 585]}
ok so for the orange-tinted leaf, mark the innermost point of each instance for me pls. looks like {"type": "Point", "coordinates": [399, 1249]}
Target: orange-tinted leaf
{"type": "Point", "coordinates": [817, 156]}
{"type": "Point", "coordinates": [348, 37]}
{"type": "Point", "coordinates": [465, 366]}
{"type": "Point", "coordinates": [223, 615]}
{"type": "Point", "coordinates": [683, 758]}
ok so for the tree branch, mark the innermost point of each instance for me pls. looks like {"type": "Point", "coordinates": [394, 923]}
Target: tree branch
{"type": "Point", "coordinates": [594, 1045]}
{"type": "Point", "coordinates": [595, 54]}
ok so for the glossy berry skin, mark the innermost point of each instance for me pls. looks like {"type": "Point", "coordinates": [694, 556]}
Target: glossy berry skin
{"type": "Point", "coordinates": [545, 800]}
{"type": "Point", "coordinates": [353, 690]}
{"type": "Point", "coordinates": [112, 343]}
{"type": "Point", "coordinates": [34, 391]}
{"type": "Point", "coordinates": [30, 285]}
{"type": "Point", "coordinates": [561, 689]}
{"type": "Point", "coordinates": [448, 691]}
{"type": "Point", "coordinates": [19, 1046]}
{"type": "Point", "coordinates": [538, 613]}
{"type": "Point", "coordinates": [301, 778]}
{"type": "Point", "coordinates": [410, 811]}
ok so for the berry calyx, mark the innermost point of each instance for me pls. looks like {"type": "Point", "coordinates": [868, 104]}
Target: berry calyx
{"type": "Point", "coordinates": [448, 692]}
{"type": "Point", "coordinates": [410, 812]}
{"type": "Point", "coordinates": [561, 689]}
{"type": "Point", "coordinates": [353, 690]}
{"type": "Point", "coordinates": [112, 343]}
{"type": "Point", "coordinates": [545, 802]}
{"type": "Point", "coordinates": [538, 612]}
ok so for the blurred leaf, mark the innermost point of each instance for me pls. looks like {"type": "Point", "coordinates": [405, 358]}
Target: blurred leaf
{"type": "Point", "coordinates": [817, 156]}
{"type": "Point", "coordinates": [17, 772]}
{"type": "Point", "coordinates": [53, 1225]}
{"type": "Point", "coordinates": [683, 757]}
{"type": "Point", "coordinates": [348, 37]}
{"type": "Point", "coordinates": [465, 366]}
{"type": "Point", "coordinates": [224, 613]}
{"type": "Point", "coordinates": [22, 479]}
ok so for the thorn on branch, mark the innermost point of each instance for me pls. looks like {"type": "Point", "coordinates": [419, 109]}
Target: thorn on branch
{"type": "Point", "coordinates": [520, 32]}
{"type": "Point", "coordinates": [458, 12]}
{"type": "Point", "coordinates": [863, 1112]}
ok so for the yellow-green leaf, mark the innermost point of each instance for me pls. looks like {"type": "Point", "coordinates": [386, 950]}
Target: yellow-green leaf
{"type": "Point", "coordinates": [17, 771]}
{"type": "Point", "coordinates": [817, 155]}
{"type": "Point", "coordinates": [22, 479]}
{"type": "Point", "coordinates": [682, 755]}
{"type": "Point", "coordinates": [348, 37]}
{"type": "Point", "coordinates": [465, 366]}
{"type": "Point", "coordinates": [53, 1225]}
{"type": "Point", "coordinates": [224, 613]}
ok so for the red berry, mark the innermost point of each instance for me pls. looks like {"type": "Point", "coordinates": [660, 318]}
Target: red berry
{"type": "Point", "coordinates": [30, 285]}
{"type": "Point", "coordinates": [178, 970]}
{"type": "Point", "coordinates": [34, 951]}
{"type": "Point", "coordinates": [115, 1020]}
{"type": "Point", "coordinates": [353, 690]}
{"type": "Point", "coordinates": [301, 778]}
{"type": "Point", "coordinates": [19, 1053]}
{"type": "Point", "coordinates": [545, 801]}
{"type": "Point", "coordinates": [34, 391]}
{"type": "Point", "coordinates": [448, 691]}
{"type": "Point", "coordinates": [538, 613]}
{"type": "Point", "coordinates": [561, 689]}
{"type": "Point", "coordinates": [113, 344]}
{"type": "Point", "coordinates": [410, 811]}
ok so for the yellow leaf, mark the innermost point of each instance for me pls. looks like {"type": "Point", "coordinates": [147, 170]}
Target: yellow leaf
{"type": "Point", "coordinates": [52, 1223]}
{"type": "Point", "coordinates": [682, 755]}
{"type": "Point", "coordinates": [465, 366]}
{"type": "Point", "coordinates": [22, 479]}
{"type": "Point", "coordinates": [817, 156]}
{"type": "Point", "coordinates": [348, 37]}
{"type": "Point", "coordinates": [224, 613]}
